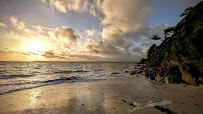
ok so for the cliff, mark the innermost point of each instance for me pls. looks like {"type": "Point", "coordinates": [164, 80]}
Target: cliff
{"type": "Point", "coordinates": [179, 58]}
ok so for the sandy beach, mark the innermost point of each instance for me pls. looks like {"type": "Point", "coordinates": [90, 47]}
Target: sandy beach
{"type": "Point", "coordinates": [129, 94]}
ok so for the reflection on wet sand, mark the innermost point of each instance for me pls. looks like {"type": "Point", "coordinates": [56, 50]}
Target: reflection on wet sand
{"type": "Point", "coordinates": [121, 95]}
{"type": "Point", "coordinates": [100, 96]}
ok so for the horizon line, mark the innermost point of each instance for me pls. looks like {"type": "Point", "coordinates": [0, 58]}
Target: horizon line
{"type": "Point", "coordinates": [77, 61]}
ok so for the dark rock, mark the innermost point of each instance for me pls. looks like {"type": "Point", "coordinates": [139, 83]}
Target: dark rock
{"type": "Point", "coordinates": [188, 77]}
{"type": "Point", "coordinates": [132, 72]}
{"type": "Point", "coordinates": [131, 104]}
{"type": "Point", "coordinates": [173, 79]}
{"type": "Point", "coordinates": [166, 110]}
{"type": "Point", "coordinates": [136, 71]}
{"type": "Point", "coordinates": [115, 73]}
{"type": "Point", "coordinates": [174, 74]}
{"type": "Point", "coordinates": [124, 100]}
{"type": "Point", "coordinates": [150, 73]}
{"type": "Point", "coordinates": [197, 104]}
{"type": "Point", "coordinates": [142, 61]}
{"type": "Point", "coordinates": [169, 74]}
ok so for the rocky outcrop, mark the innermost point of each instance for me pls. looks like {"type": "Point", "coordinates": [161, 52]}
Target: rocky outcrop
{"type": "Point", "coordinates": [151, 73]}
{"type": "Point", "coordinates": [180, 57]}
{"type": "Point", "coordinates": [142, 61]}
{"type": "Point", "coordinates": [139, 68]}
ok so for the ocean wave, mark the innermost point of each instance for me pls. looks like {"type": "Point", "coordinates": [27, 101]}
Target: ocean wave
{"type": "Point", "coordinates": [39, 83]}
{"type": "Point", "coordinates": [13, 76]}
{"type": "Point", "coordinates": [62, 79]}
{"type": "Point", "coordinates": [69, 71]}
{"type": "Point", "coordinates": [46, 81]}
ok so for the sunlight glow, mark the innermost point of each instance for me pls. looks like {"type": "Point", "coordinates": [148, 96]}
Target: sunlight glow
{"type": "Point", "coordinates": [36, 48]}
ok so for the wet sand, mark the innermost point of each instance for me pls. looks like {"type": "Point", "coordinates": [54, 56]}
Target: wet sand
{"type": "Point", "coordinates": [122, 95]}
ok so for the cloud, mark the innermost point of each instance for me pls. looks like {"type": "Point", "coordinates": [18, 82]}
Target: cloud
{"type": "Point", "coordinates": [96, 9]}
{"type": "Point", "coordinates": [13, 35]}
{"type": "Point", "coordinates": [68, 5]}
{"type": "Point", "coordinates": [122, 33]}
{"type": "Point", "coordinates": [88, 57]}
{"type": "Point", "coordinates": [65, 37]}
{"type": "Point", "coordinates": [157, 30]}
{"type": "Point", "coordinates": [91, 32]}
{"type": "Point", "coordinates": [132, 18]}
{"type": "Point", "coordinates": [51, 54]}
{"type": "Point", "coordinates": [6, 51]}
{"type": "Point", "coordinates": [130, 22]}
{"type": "Point", "coordinates": [102, 48]}
{"type": "Point", "coordinates": [123, 30]}
{"type": "Point", "coordinates": [136, 49]}
{"type": "Point", "coordinates": [64, 34]}
{"type": "Point", "coordinates": [112, 52]}
{"type": "Point", "coordinates": [18, 24]}
{"type": "Point", "coordinates": [65, 47]}
{"type": "Point", "coordinates": [123, 23]}
{"type": "Point", "coordinates": [42, 29]}
{"type": "Point", "coordinates": [3, 25]}
{"type": "Point", "coordinates": [44, 1]}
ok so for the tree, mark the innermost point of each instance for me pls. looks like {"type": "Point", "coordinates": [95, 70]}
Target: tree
{"type": "Point", "coordinates": [186, 12]}
{"type": "Point", "coordinates": [151, 50]}
{"type": "Point", "coordinates": [167, 31]}
{"type": "Point", "coordinates": [156, 37]}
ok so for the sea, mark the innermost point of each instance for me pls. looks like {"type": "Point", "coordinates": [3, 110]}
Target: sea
{"type": "Point", "coordinates": [16, 76]}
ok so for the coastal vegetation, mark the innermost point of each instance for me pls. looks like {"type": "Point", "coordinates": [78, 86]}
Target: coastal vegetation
{"type": "Point", "coordinates": [179, 58]}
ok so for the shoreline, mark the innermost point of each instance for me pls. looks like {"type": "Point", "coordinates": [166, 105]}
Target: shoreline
{"type": "Point", "coordinates": [127, 94]}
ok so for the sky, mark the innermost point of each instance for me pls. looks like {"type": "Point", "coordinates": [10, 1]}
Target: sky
{"type": "Point", "coordinates": [84, 30]}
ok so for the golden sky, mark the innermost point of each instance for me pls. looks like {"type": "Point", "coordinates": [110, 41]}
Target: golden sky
{"type": "Point", "coordinates": [83, 30]}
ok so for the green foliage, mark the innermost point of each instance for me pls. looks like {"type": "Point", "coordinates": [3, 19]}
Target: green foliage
{"type": "Point", "coordinates": [186, 12]}
{"type": "Point", "coordinates": [168, 30]}
{"type": "Point", "coordinates": [151, 50]}
{"type": "Point", "coordinates": [185, 46]}
{"type": "Point", "coordinates": [156, 37]}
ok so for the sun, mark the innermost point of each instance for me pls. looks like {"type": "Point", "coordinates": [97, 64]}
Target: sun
{"type": "Point", "coordinates": [36, 48]}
